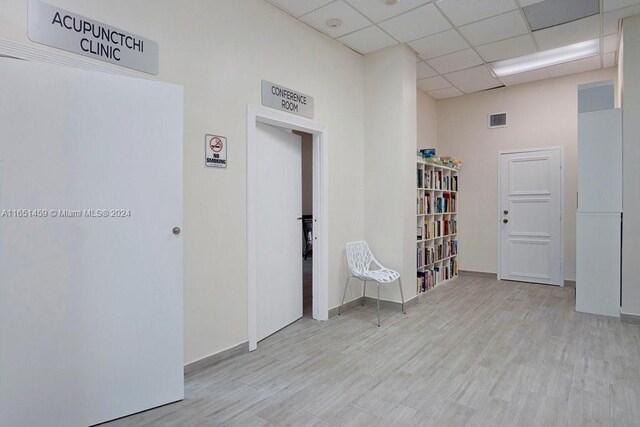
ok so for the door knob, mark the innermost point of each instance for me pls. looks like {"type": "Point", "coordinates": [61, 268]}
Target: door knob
{"type": "Point", "coordinates": [505, 220]}
{"type": "Point", "coordinates": [176, 230]}
{"type": "Point", "coordinates": [506, 212]}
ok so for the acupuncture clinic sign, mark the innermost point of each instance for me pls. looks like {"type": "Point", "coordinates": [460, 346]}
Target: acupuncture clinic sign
{"type": "Point", "coordinates": [281, 98]}
{"type": "Point", "coordinates": [52, 26]}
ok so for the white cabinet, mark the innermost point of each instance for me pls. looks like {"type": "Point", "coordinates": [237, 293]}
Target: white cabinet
{"type": "Point", "coordinates": [600, 161]}
{"type": "Point", "coordinates": [598, 263]}
{"type": "Point", "coordinates": [599, 218]}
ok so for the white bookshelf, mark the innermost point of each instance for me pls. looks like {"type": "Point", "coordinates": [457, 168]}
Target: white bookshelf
{"type": "Point", "coordinates": [437, 225]}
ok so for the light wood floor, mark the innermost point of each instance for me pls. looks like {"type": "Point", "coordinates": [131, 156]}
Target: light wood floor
{"type": "Point", "coordinates": [473, 352]}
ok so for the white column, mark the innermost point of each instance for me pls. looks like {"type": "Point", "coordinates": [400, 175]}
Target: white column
{"type": "Point", "coordinates": [389, 159]}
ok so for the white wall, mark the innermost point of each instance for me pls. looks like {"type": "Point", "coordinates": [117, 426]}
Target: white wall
{"type": "Point", "coordinates": [631, 171]}
{"type": "Point", "coordinates": [427, 121]}
{"type": "Point", "coordinates": [390, 131]}
{"type": "Point", "coordinates": [220, 51]}
{"type": "Point", "coordinates": [542, 113]}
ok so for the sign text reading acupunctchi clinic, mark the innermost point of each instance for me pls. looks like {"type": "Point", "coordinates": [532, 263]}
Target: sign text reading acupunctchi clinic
{"type": "Point", "coordinates": [62, 29]}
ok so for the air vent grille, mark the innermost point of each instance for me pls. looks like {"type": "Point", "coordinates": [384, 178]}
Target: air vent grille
{"type": "Point", "coordinates": [549, 13]}
{"type": "Point", "coordinates": [497, 120]}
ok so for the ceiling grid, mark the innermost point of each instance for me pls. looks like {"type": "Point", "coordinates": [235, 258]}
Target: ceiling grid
{"type": "Point", "coordinates": [456, 41]}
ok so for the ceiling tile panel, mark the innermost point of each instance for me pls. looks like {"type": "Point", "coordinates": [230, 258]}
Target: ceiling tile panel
{"type": "Point", "coordinates": [566, 34]}
{"type": "Point", "coordinates": [462, 12]}
{"type": "Point", "coordinates": [529, 76]}
{"type": "Point", "coordinates": [439, 44]}
{"type": "Point", "coordinates": [473, 79]}
{"type": "Point", "coordinates": [433, 83]}
{"type": "Point", "coordinates": [300, 7]}
{"type": "Point", "coordinates": [368, 40]}
{"type": "Point", "coordinates": [610, 43]}
{"type": "Point", "coordinates": [351, 19]}
{"type": "Point", "coordinates": [423, 71]}
{"type": "Point", "coordinates": [378, 10]}
{"type": "Point", "coordinates": [611, 19]}
{"type": "Point", "coordinates": [524, 3]}
{"type": "Point", "coordinates": [444, 93]}
{"type": "Point", "coordinates": [579, 66]}
{"type": "Point", "coordinates": [418, 23]}
{"type": "Point", "coordinates": [455, 61]}
{"type": "Point", "coordinates": [609, 59]}
{"type": "Point", "coordinates": [510, 48]}
{"type": "Point", "coordinates": [610, 5]}
{"type": "Point", "coordinates": [550, 13]}
{"type": "Point", "coordinates": [493, 29]}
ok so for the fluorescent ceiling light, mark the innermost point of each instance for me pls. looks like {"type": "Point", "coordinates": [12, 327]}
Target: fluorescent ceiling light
{"type": "Point", "coordinates": [546, 58]}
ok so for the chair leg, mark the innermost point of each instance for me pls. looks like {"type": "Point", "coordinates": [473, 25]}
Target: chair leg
{"type": "Point", "coordinates": [344, 294]}
{"type": "Point", "coordinates": [378, 304]}
{"type": "Point", "coordinates": [364, 292]}
{"type": "Point", "coordinates": [401, 295]}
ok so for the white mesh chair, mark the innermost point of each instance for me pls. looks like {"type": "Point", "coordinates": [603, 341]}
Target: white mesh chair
{"type": "Point", "coordinates": [360, 259]}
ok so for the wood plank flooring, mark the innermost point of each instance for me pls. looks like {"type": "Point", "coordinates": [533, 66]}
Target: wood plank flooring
{"type": "Point", "coordinates": [472, 352]}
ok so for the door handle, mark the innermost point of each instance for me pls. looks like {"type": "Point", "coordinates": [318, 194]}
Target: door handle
{"type": "Point", "coordinates": [176, 230]}
{"type": "Point", "coordinates": [505, 220]}
{"type": "Point", "coordinates": [299, 218]}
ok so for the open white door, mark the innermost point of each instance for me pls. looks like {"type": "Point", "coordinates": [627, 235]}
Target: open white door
{"type": "Point", "coordinates": [91, 322]}
{"type": "Point", "coordinates": [530, 215]}
{"type": "Point", "coordinates": [279, 204]}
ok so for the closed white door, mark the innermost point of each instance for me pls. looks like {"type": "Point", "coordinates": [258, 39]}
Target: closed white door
{"type": "Point", "coordinates": [279, 204]}
{"type": "Point", "coordinates": [530, 217]}
{"type": "Point", "coordinates": [91, 321]}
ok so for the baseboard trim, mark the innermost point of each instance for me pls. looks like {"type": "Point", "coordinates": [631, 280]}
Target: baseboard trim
{"type": "Point", "coordinates": [495, 276]}
{"type": "Point", "coordinates": [632, 319]}
{"type": "Point", "coordinates": [214, 359]}
{"type": "Point", "coordinates": [477, 274]}
{"type": "Point", "coordinates": [372, 301]}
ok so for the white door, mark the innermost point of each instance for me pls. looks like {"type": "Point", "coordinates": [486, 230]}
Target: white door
{"type": "Point", "coordinates": [279, 204]}
{"type": "Point", "coordinates": [530, 217]}
{"type": "Point", "coordinates": [91, 323]}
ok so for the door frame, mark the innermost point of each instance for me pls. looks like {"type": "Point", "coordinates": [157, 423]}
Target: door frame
{"type": "Point", "coordinates": [259, 114]}
{"type": "Point", "coordinates": [499, 210]}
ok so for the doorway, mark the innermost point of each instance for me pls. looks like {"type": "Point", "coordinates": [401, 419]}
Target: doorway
{"type": "Point", "coordinates": [307, 222]}
{"type": "Point", "coordinates": [280, 123]}
{"type": "Point", "coordinates": [530, 207]}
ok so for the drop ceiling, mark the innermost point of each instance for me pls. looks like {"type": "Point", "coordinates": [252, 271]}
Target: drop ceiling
{"type": "Point", "coordinates": [455, 40]}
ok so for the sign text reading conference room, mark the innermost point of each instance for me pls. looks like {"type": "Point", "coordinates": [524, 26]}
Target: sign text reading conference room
{"type": "Point", "coordinates": [290, 99]}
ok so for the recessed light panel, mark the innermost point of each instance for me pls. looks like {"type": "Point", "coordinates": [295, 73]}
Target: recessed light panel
{"type": "Point", "coordinates": [549, 13]}
{"type": "Point", "coordinates": [546, 58]}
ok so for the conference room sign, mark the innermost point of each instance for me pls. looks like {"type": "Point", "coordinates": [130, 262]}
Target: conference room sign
{"type": "Point", "coordinates": [289, 100]}
{"type": "Point", "coordinates": [59, 28]}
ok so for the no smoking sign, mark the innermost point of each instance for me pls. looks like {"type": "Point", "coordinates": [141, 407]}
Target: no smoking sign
{"type": "Point", "coordinates": [215, 147]}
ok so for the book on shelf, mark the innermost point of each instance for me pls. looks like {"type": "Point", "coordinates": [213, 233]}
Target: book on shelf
{"type": "Point", "coordinates": [419, 233]}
